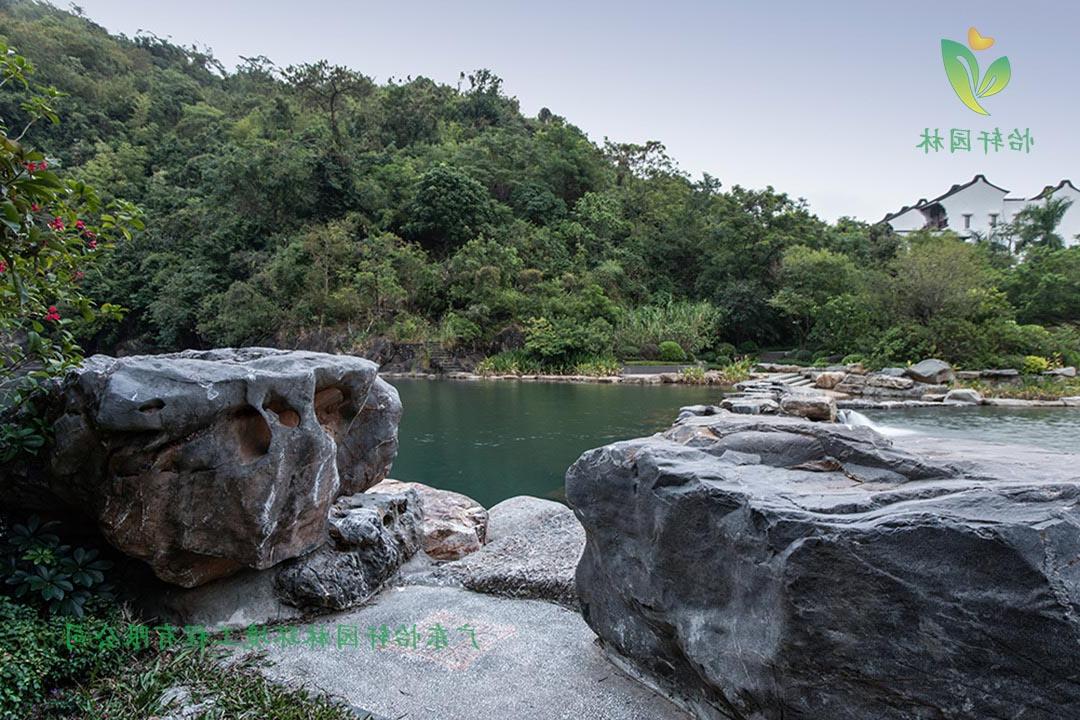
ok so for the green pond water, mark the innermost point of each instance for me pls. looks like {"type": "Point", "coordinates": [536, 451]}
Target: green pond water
{"type": "Point", "coordinates": [495, 439]}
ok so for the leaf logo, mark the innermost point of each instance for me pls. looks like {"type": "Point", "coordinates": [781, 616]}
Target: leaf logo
{"type": "Point", "coordinates": [962, 69]}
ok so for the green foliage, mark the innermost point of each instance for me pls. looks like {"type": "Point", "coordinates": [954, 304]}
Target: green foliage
{"type": "Point", "coordinates": [1036, 225]}
{"type": "Point", "coordinates": [693, 375]}
{"type": "Point", "coordinates": [35, 658]}
{"type": "Point", "coordinates": [692, 325]}
{"type": "Point", "coordinates": [597, 366]}
{"type": "Point", "coordinates": [725, 349]}
{"type": "Point", "coordinates": [671, 351]}
{"type": "Point", "coordinates": [449, 209]}
{"type": "Point", "coordinates": [57, 578]}
{"type": "Point", "coordinates": [738, 371]}
{"type": "Point", "coordinates": [1034, 365]}
{"type": "Point", "coordinates": [53, 231]}
{"type": "Point", "coordinates": [509, 362]}
{"type": "Point", "coordinates": [521, 362]}
{"type": "Point", "coordinates": [1045, 288]}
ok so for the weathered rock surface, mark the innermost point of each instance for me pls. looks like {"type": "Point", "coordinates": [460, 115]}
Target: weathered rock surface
{"type": "Point", "coordinates": [370, 536]}
{"type": "Point", "coordinates": [811, 407]}
{"type": "Point", "coordinates": [931, 372]}
{"type": "Point", "coordinates": [963, 396]}
{"type": "Point", "coordinates": [204, 462]}
{"type": "Point", "coordinates": [532, 552]}
{"type": "Point", "coordinates": [751, 405]}
{"type": "Point", "coordinates": [828, 380]}
{"type": "Point", "coordinates": [890, 382]}
{"type": "Point", "coordinates": [531, 661]}
{"type": "Point", "coordinates": [766, 568]}
{"type": "Point", "coordinates": [453, 525]}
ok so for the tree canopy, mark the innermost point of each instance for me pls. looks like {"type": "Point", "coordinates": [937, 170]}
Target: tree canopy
{"type": "Point", "coordinates": [314, 205]}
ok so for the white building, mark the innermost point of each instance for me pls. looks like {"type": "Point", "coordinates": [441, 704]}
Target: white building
{"type": "Point", "coordinates": [981, 207]}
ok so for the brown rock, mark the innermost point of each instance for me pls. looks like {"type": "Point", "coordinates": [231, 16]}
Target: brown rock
{"type": "Point", "coordinates": [452, 525]}
{"type": "Point", "coordinates": [811, 407]}
{"type": "Point", "coordinates": [829, 380]}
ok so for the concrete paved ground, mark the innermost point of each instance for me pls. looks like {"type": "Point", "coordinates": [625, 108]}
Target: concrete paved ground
{"type": "Point", "coordinates": [531, 660]}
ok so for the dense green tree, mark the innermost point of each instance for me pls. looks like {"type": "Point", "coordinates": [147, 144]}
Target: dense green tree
{"type": "Point", "coordinates": [449, 209]}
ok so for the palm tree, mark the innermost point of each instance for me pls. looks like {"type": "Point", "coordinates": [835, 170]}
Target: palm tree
{"type": "Point", "coordinates": [1036, 225]}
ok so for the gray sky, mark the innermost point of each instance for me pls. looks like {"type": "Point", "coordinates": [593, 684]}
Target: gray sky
{"type": "Point", "coordinates": [821, 100]}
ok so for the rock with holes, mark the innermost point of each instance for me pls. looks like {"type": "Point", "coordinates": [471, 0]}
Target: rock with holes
{"type": "Point", "coordinates": [204, 462]}
{"type": "Point", "coordinates": [453, 524]}
{"type": "Point", "coordinates": [371, 535]}
{"type": "Point", "coordinates": [772, 568]}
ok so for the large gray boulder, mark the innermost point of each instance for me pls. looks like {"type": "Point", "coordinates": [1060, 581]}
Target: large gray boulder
{"type": "Point", "coordinates": [931, 372]}
{"type": "Point", "coordinates": [204, 462]}
{"type": "Point", "coordinates": [766, 568]}
{"type": "Point", "coordinates": [532, 552]}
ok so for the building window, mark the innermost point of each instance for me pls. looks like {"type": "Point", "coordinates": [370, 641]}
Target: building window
{"type": "Point", "coordinates": [967, 221]}
{"type": "Point", "coordinates": [993, 219]}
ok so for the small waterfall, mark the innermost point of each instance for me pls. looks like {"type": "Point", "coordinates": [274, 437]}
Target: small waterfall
{"type": "Point", "coordinates": [853, 418]}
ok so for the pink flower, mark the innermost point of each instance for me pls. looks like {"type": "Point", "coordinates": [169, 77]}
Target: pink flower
{"type": "Point", "coordinates": [92, 244]}
{"type": "Point", "coordinates": [79, 275]}
{"type": "Point", "coordinates": [80, 225]}
{"type": "Point", "coordinates": [53, 315]}
{"type": "Point", "coordinates": [3, 266]}
{"type": "Point", "coordinates": [34, 207]}
{"type": "Point", "coordinates": [57, 224]}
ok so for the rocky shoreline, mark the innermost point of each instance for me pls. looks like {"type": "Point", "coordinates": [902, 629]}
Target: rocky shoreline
{"type": "Point", "coordinates": [849, 387]}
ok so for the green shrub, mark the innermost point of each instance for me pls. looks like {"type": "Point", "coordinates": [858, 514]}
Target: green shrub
{"type": "Point", "coordinates": [722, 360]}
{"type": "Point", "coordinates": [457, 330]}
{"type": "Point", "coordinates": [1033, 365]}
{"type": "Point", "coordinates": [853, 359]}
{"type": "Point", "coordinates": [693, 375]}
{"type": "Point", "coordinates": [691, 324]}
{"type": "Point", "coordinates": [748, 347]}
{"type": "Point", "coordinates": [509, 362]}
{"type": "Point", "coordinates": [804, 356]}
{"type": "Point", "coordinates": [671, 351]}
{"type": "Point", "coordinates": [725, 350]}
{"type": "Point", "coordinates": [597, 367]}
{"type": "Point", "coordinates": [738, 371]}
{"type": "Point", "coordinates": [57, 578]}
{"type": "Point", "coordinates": [35, 656]}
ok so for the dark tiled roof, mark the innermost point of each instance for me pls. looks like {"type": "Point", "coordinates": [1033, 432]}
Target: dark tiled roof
{"type": "Point", "coordinates": [1051, 189]}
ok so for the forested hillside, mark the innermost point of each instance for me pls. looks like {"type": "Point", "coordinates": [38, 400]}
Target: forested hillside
{"type": "Point", "coordinates": [315, 206]}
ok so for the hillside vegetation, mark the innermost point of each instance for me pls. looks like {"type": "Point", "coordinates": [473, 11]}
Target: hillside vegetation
{"type": "Point", "coordinates": [315, 206]}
